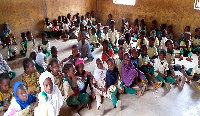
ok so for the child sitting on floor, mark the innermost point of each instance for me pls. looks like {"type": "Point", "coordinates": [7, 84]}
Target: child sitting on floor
{"type": "Point", "coordinates": [23, 44]}
{"type": "Point", "coordinates": [105, 33]}
{"type": "Point", "coordinates": [7, 51]}
{"type": "Point", "coordinates": [22, 104]}
{"type": "Point", "coordinates": [99, 32]}
{"type": "Point", "coordinates": [159, 33]}
{"type": "Point", "coordinates": [146, 66]}
{"type": "Point", "coordinates": [5, 92]}
{"type": "Point", "coordinates": [40, 64]}
{"type": "Point", "coordinates": [113, 36]}
{"type": "Point", "coordinates": [163, 40]}
{"type": "Point", "coordinates": [134, 57]}
{"type": "Point", "coordinates": [54, 68]}
{"type": "Point", "coordinates": [152, 50]}
{"type": "Point", "coordinates": [84, 77]}
{"type": "Point", "coordinates": [141, 40]}
{"type": "Point", "coordinates": [45, 44]}
{"type": "Point", "coordinates": [30, 44]}
{"type": "Point", "coordinates": [154, 26]}
{"type": "Point", "coordinates": [125, 25]}
{"type": "Point", "coordinates": [127, 43]}
{"type": "Point", "coordinates": [118, 61]}
{"type": "Point", "coordinates": [84, 47]}
{"type": "Point", "coordinates": [157, 42]}
{"type": "Point", "coordinates": [73, 97]}
{"type": "Point", "coordinates": [48, 28]}
{"type": "Point", "coordinates": [4, 68]}
{"type": "Point", "coordinates": [130, 74]}
{"type": "Point", "coordinates": [107, 52]}
{"type": "Point", "coordinates": [114, 83]}
{"type": "Point", "coordinates": [53, 55]}
{"type": "Point", "coordinates": [161, 67]}
{"type": "Point", "coordinates": [93, 39]}
{"type": "Point", "coordinates": [93, 19]}
{"type": "Point", "coordinates": [30, 78]}
{"type": "Point", "coordinates": [99, 82]}
{"type": "Point", "coordinates": [7, 33]}
{"type": "Point", "coordinates": [142, 25]}
{"type": "Point", "coordinates": [134, 29]}
{"type": "Point", "coordinates": [169, 33]}
{"type": "Point", "coordinates": [50, 98]}
{"type": "Point", "coordinates": [185, 47]}
{"type": "Point", "coordinates": [109, 20]}
{"type": "Point", "coordinates": [72, 58]}
{"type": "Point", "coordinates": [56, 29]}
{"type": "Point", "coordinates": [186, 29]}
{"type": "Point", "coordinates": [196, 42]}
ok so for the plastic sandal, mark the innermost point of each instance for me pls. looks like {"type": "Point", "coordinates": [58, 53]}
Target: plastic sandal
{"type": "Point", "coordinates": [158, 85]}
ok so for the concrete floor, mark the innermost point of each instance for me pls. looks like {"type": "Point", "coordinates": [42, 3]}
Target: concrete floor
{"type": "Point", "coordinates": [176, 102]}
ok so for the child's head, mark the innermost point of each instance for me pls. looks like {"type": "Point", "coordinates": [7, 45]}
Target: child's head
{"type": "Point", "coordinates": [169, 45]}
{"type": "Point", "coordinates": [187, 29]}
{"type": "Point", "coordinates": [29, 66]}
{"type": "Point", "coordinates": [99, 26]}
{"type": "Point", "coordinates": [105, 29]}
{"type": "Point", "coordinates": [88, 15]}
{"type": "Point", "coordinates": [144, 49]}
{"type": "Point", "coordinates": [79, 64]}
{"type": "Point", "coordinates": [44, 35]}
{"type": "Point", "coordinates": [55, 22]}
{"type": "Point", "coordinates": [69, 69]}
{"type": "Point", "coordinates": [151, 41]}
{"type": "Point", "coordinates": [89, 23]}
{"type": "Point", "coordinates": [110, 16]}
{"type": "Point", "coordinates": [121, 52]}
{"type": "Point", "coordinates": [169, 29]}
{"type": "Point", "coordinates": [164, 33]}
{"type": "Point", "coordinates": [111, 64]}
{"type": "Point", "coordinates": [93, 31]}
{"type": "Point", "coordinates": [92, 13]}
{"type": "Point", "coordinates": [162, 54]}
{"type": "Point", "coordinates": [29, 35]}
{"type": "Point", "coordinates": [46, 81]}
{"type": "Point", "coordinates": [128, 37]}
{"type": "Point", "coordinates": [54, 67]}
{"type": "Point", "coordinates": [112, 24]}
{"type": "Point", "coordinates": [105, 45]}
{"type": "Point", "coordinates": [4, 82]}
{"type": "Point", "coordinates": [187, 36]}
{"type": "Point", "coordinates": [142, 23]}
{"type": "Point", "coordinates": [83, 36]}
{"type": "Point", "coordinates": [75, 50]}
{"type": "Point", "coordinates": [82, 27]}
{"type": "Point", "coordinates": [54, 51]}
{"type": "Point", "coordinates": [82, 17]}
{"type": "Point", "coordinates": [154, 23]}
{"type": "Point", "coordinates": [134, 53]}
{"type": "Point", "coordinates": [69, 16]}
{"type": "Point", "coordinates": [162, 27]}
{"type": "Point", "coordinates": [99, 63]}
{"type": "Point", "coordinates": [5, 26]}
{"type": "Point", "coordinates": [23, 35]}
{"type": "Point", "coordinates": [153, 33]}
{"type": "Point", "coordinates": [136, 21]}
{"type": "Point", "coordinates": [142, 34]}
{"type": "Point", "coordinates": [20, 91]}
{"type": "Point", "coordinates": [47, 21]}
{"type": "Point", "coordinates": [33, 55]}
{"type": "Point", "coordinates": [127, 59]}
{"type": "Point", "coordinates": [59, 18]}
{"type": "Point", "coordinates": [8, 40]}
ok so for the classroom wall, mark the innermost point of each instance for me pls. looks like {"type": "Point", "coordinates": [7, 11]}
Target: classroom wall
{"type": "Point", "coordinates": [24, 15]}
{"type": "Point", "coordinates": [178, 13]}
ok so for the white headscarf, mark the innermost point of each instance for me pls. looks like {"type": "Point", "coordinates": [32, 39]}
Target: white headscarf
{"type": "Point", "coordinates": [55, 99]}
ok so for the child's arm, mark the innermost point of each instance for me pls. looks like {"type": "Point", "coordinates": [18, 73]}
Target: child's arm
{"type": "Point", "coordinates": [162, 75]}
{"type": "Point", "coordinates": [66, 59]}
{"type": "Point", "coordinates": [195, 74]}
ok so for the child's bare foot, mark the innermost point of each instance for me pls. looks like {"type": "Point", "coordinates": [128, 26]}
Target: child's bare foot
{"type": "Point", "coordinates": [189, 59]}
{"type": "Point", "coordinates": [65, 39]}
{"type": "Point", "coordinates": [189, 78]}
{"type": "Point", "coordinates": [168, 86]}
{"type": "Point", "coordinates": [139, 92]}
{"type": "Point", "coordinates": [181, 58]}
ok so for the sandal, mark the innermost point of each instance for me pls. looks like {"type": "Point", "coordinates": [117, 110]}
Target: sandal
{"type": "Point", "coordinates": [157, 85]}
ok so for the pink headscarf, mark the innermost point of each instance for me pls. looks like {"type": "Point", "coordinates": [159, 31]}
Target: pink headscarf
{"type": "Point", "coordinates": [79, 61]}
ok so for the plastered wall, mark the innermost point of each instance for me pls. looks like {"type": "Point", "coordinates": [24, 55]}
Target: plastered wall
{"type": "Point", "coordinates": [24, 15]}
{"type": "Point", "coordinates": [178, 13]}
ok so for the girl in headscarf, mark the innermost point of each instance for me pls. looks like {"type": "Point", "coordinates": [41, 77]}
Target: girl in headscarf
{"type": "Point", "coordinates": [50, 98]}
{"type": "Point", "coordinates": [7, 33]}
{"type": "Point", "coordinates": [99, 82]}
{"type": "Point", "coordinates": [22, 104]}
{"type": "Point", "coordinates": [4, 68]}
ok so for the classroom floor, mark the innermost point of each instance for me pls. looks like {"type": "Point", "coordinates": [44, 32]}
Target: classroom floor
{"type": "Point", "coordinates": [177, 101]}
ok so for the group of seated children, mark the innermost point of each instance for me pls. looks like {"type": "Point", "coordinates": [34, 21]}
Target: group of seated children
{"type": "Point", "coordinates": [47, 81]}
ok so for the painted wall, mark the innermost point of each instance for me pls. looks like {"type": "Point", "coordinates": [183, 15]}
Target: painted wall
{"type": "Point", "coordinates": [178, 13]}
{"type": "Point", "coordinates": [24, 15]}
